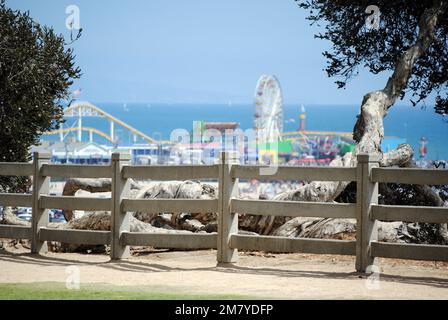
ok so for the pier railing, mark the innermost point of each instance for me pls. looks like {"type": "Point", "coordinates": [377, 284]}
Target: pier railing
{"type": "Point", "coordinates": [227, 205]}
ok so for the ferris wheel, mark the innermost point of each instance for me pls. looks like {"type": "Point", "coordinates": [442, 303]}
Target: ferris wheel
{"type": "Point", "coordinates": [268, 116]}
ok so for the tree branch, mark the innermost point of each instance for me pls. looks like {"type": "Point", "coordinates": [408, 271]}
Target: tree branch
{"type": "Point", "coordinates": [426, 36]}
{"type": "Point", "coordinates": [368, 130]}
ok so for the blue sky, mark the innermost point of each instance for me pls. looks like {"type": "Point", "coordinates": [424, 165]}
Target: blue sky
{"type": "Point", "coordinates": [197, 51]}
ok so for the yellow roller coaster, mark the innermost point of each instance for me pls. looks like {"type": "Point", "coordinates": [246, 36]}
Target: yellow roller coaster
{"type": "Point", "coordinates": [86, 109]}
{"type": "Point", "coordinates": [317, 133]}
{"type": "Point", "coordinates": [90, 130]}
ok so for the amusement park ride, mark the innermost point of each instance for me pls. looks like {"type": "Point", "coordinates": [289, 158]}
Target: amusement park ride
{"type": "Point", "coordinates": [301, 146]}
{"type": "Point", "coordinates": [86, 109]}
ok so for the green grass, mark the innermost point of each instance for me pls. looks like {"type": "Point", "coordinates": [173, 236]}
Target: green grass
{"type": "Point", "coordinates": [58, 291]}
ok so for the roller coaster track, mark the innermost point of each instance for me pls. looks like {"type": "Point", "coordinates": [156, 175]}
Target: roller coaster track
{"type": "Point", "coordinates": [90, 130]}
{"type": "Point", "coordinates": [86, 109]}
{"type": "Point", "coordinates": [317, 133]}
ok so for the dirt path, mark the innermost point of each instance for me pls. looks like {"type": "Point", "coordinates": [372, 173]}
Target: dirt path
{"type": "Point", "coordinates": [290, 276]}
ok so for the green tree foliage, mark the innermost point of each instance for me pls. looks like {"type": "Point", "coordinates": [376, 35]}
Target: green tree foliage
{"type": "Point", "coordinates": [36, 71]}
{"type": "Point", "coordinates": [378, 49]}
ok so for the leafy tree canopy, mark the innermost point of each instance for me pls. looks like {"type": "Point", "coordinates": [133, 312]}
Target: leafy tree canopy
{"type": "Point", "coordinates": [378, 49]}
{"type": "Point", "coordinates": [36, 71]}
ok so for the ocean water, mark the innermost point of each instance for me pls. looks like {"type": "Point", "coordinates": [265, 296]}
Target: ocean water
{"type": "Point", "coordinates": [159, 120]}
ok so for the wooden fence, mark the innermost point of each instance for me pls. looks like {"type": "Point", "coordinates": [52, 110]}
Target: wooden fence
{"type": "Point", "coordinates": [227, 241]}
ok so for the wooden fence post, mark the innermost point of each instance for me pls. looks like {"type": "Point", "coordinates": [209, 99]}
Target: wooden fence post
{"type": "Point", "coordinates": [227, 220]}
{"type": "Point", "coordinates": [366, 195]}
{"type": "Point", "coordinates": [119, 219]}
{"type": "Point", "coordinates": [41, 185]}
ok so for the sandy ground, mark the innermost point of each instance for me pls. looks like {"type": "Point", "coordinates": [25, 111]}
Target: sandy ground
{"type": "Point", "coordinates": [289, 276]}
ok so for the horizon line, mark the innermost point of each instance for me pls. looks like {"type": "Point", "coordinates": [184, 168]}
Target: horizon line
{"type": "Point", "coordinates": [233, 103]}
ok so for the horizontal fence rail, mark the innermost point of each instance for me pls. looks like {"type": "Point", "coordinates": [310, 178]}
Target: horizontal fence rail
{"type": "Point", "coordinates": [90, 237]}
{"type": "Point", "coordinates": [170, 205]}
{"type": "Point", "coordinates": [410, 176]}
{"type": "Point", "coordinates": [170, 240]}
{"type": "Point", "coordinates": [167, 172]}
{"type": "Point", "coordinates": [294, 208]}
{"type": "Point", "coordinates": [284, 244]}
{"type": "Point", "coordinates": [295, 173]}
{"type": "Point", "coordinates": [15, 232]}
{"type": "Point", "coordinates": [76, 171]}
{"type": "Point", "coordinates": [16, 199]}
{"type": "Point", "coordinates": [409, 251]}
{"type": "Point", "coordinates": [410, 214]}
{"type": "Point", "coordinates": [16, 169]}
{"type": "Point", "coordinates": [227, 207]}
{"type": "Point", "coordinates": [75, 203]}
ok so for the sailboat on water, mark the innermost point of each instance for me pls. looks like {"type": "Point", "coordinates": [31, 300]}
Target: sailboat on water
{"type": "Point", "coordinates": [125, 107]}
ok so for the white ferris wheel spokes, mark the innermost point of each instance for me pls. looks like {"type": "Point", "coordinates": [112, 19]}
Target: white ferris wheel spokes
{"type": "Point", "coordinates": [268, 116]}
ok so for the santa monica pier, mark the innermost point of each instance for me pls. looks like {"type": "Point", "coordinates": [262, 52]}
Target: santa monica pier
{"type": "Point", "coordinates": [264, 143]}
{"type": "Point", "coordinates": [77, 143]}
